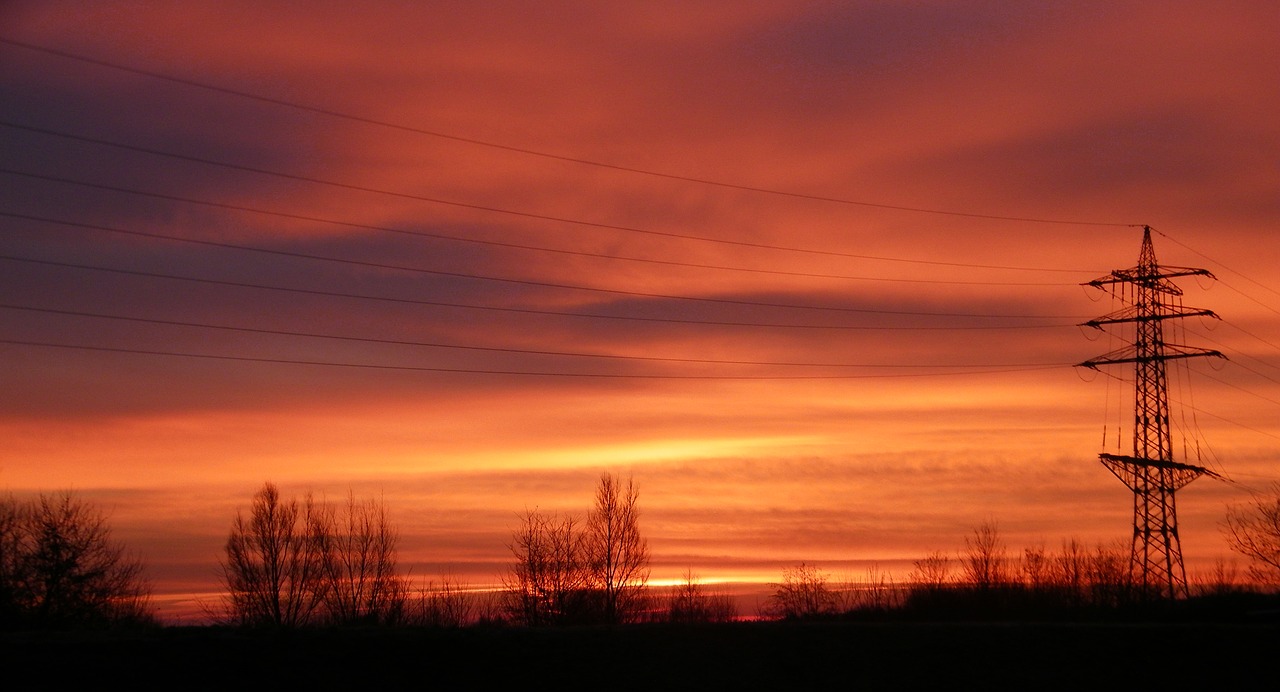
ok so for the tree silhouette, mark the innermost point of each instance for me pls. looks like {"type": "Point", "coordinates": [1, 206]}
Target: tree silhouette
{"type": "Point", "coordinates": [273, 569]}
{"type": "Point", "coordinates": [358, 559]}
{"type": "Point", "coordinates": [690, 602]}
{"type": "Point", "coordinates": [547, 583]}
{"type": "Point", "coordinates": [1253, 530]}
{"type": "Point", "coordinates": [1071, 572]}
{"type": "Point", "coordinates": [618, 556]}
{"type": "Point", "coordinates": [446, 605]}
{"type": "Point", "coordinates": [1109, 575]}
{"type": "Point", "coordinates": [985, 561]}
{"type": "Point", "coordinates": [878, 592]}
{"type": "Point", "coordinates": [12, 563]}
{"type": "Point", "coordinates": [803, 594]}
{"type": "Point", "coordinates": [1037, 567]}
{"type": "Point", "coordinates": [1222, 579]}
{"type": "Point", "coordinates": [59, 567]}
{"type": "Point", "coordinates": [565, 573]}
{"type": "Point", "coordinates": [931, 573]}
{"type": "Point", "coordinates": [291, 564]}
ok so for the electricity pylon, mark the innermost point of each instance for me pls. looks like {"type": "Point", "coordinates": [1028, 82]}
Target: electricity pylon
{"type": "Point", "coordinates": [1149, 298]}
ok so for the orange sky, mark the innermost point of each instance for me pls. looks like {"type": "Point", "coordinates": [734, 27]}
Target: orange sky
{"type": "Point", "coordinates": [466, 256]}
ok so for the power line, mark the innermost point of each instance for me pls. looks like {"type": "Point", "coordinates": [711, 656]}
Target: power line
{"type": "Point", "coordinates": [491, 209]}
{"type": "Point", "coordinates": [1255, 336]}
{"type": "Point", "coordinates": [1242, 389]}
{"type": "Point", "coordinates": [1251, 298]}
{"type": "Point", "coordinates": [1259, 374]}
{"type": "Point", "coordinates": [1224, 283]}
{"type": "Point", "coordinates": [1197, 409]}
{"type": "Point", "coordinates": [523, 282]}
{"type": "Point", "coordinates": [529, 311]}
{"type": "Point", "coordinates": [1220, 264]}
{"type": "Point", "coordinates": [1240, 352]}
{"type": "Point", "coordinates": [534, 152]}
{"type": "Point", "coordinates": [522, 351]}
{"type": "Point", "coordinates": [1236, 423]}
{"type": "Point", "coordinates": [478, 371]}
{"type": "Point", "coordinates": [518, 246]}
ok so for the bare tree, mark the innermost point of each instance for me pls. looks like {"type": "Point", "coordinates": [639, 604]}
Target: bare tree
{"type": "Point", "coordinates": [60, 568]}
{"type": "Point", "coordinates": [932, 573]}
{"type": "Point", "coordinates": [1070, 571]}
{"type": "Point", "coordinates": [617, 555]}
{"type": "Point", "coordinates": [273, 568]}
{"type": "Point", "coordinates": [802, 594]}
{"type": "Point", "coordinates": [358, 555]}
{"type": "Point", "coordinates": [1037, 567]}
{"type": "Point", "coordinates": [1109, 578]}
{"type": "Point", "coordinates": [877, 592]}
{"type": "Point", "coordinates": [526, 582]}
{"type": "Point", "coordinates": [547, 583]}
{"type": "Point", "coordinates": [12, 563]}
{"type": "Point", "coordinates": [985, 562]}
{"type": "Point", "coordinates": [691, 602]}
{"type": "Point", "coordinates": [688, 602]}
{"type": "Point", "coordinates": [1253, 530]}
{"type": "Point", "coordinates": [446, 605]}
{"type": "Point", "coordinates": [1223, 579]}
{"type": "Point", "coordinates": [563, 573]}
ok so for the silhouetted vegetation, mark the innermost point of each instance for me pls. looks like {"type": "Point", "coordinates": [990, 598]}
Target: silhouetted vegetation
{"type": "Point", "coordinates": [60, 569]}
{"type": "Point", "coordinates": [564, 574]}
{"type": "Point", "coordinates": [292, 563]}
{"type": "Point", "coordinates": [1253, 530]}
{"type": "Point", "coordinates": [358, 556]}
{"type": "Point", "coordinates": [803, 594]}
{"type": "Point", "coordinates": [985, 560]}
{"type": "Point", "coordinates": [991, 584]}
{"type": "Point", "coordinates": [272, 569]}
{"type": "Point", "coordinates": [547, 583]}
{"type": "Point", "coordinates": [984, 616]}
{"type": "Point", "coordinates": [450, 605]}
{"type": "Point", "coordinates": [690, 602]}
{"type": "Point", "coordinates": [296, 563]}
{"type": "Point", "coordinates": [617, 556]}
{"type": "Point", "coordinates": [985, 583]}
{"type": "Point", "coordinates": [1073, 582]}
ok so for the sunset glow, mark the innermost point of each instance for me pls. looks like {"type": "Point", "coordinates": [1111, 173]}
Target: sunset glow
{"type": "Point", "coordinates": [810, 273]}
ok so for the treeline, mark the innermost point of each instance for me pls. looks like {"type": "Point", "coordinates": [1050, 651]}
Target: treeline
{"type": "Point", "coordinates": [292, 563]}
{"type": "Point", "coordinates": [987, 581]}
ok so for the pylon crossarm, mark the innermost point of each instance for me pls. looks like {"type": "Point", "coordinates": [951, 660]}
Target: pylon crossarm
{"type": "Point", "coordinates": [1130, 355]}
{"type": "Point", "coordinates": [1134, 314]}
{"type": "Point", "coordinates": [1146, 479]}
{"type": "Point", "coordinates": [1155, 463]}
{"type": "Point", "coordinates": [1155, 277]}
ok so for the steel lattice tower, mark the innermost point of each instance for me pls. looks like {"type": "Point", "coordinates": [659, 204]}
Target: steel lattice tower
{"type": "Point", "coordinates": [1149, 298]}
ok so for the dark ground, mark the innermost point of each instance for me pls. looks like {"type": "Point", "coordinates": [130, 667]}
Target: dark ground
{"type": "Point", "coordinates": [763, 655]}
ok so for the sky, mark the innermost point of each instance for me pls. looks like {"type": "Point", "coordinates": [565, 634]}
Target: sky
{"type": "Point", "coordinates": [809, 273]}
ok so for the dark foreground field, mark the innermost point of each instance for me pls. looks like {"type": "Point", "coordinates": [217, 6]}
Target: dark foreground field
{"type": "Point", "coordinates": [779, 656]}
